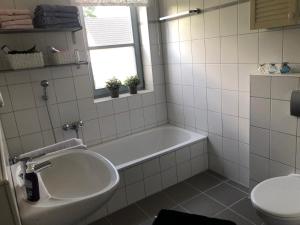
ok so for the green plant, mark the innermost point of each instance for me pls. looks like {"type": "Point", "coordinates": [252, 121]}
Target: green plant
{"type": "Point", "coordinates": [132, 81]}
{"type": "Point", "coordinates": [113, 83]}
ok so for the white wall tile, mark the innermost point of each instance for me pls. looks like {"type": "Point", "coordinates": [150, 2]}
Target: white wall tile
{"type": "Point", "coordinates": [167, 161]}
{"type": "Point", "coordinates": [230, 127]}
{"type": "Point", "coordinates": [214, 100]}
{"type": "Point", "coordinates": [230, 102]}
{"type": "Point", "coordinates": [123, 123]}
{"type": "Point", "coordinates": [135, 192]}
{"type": "Point", "coordinates": [283, 148]}
{"type": "Point", "coordinates": [248, 48]}
{"type": "Point", "coordinates": [244, 130]}
{"type": "Point", "coordinates": [136, 119]}
{"type": "Point", "coordinates": [270, 45]}
{"type": "Point", "coordinates": [259, 168]}
{"type": "Point", "coordinates": [108, 127]}
{"type": "Point", "coordinates": [228, 20]}
{"type": "Point", "coordinates": [183, 155]}
{"type": "Point", "coordinates": [64, 89]}
{"type": "Point", "coordinates": [212, 23]}
{"type": "Point", "coordinates": [83, 87]}
{"type": "Point", "coordinates": [213, 50]}
{"type": "Point", "coordinates": [185, 52]}
{"type": "Point", "coordinates": [260, 141]}
{"type": "Point", "coordinates": [260, 114]}
{"type": "Point", "coordinates": [87, 109]}
{"type": "Point", "coordinates": [213, 73]}
{"type": "Point", "coordinates": [198, 51]}
{"type": "Point", "coordinates": [260, 86]}
{"type": "Point", "coordinates": [229, 52]}
{"type": "Point", "coordinates": [169, 177]}
{"type": "Point", "coordinates": [231, 150]}
{"type": "Point", "coordinates": [27, 121]}
{"type": "Point", "coordinates": [153, 184]}
{"type": "Point", "coordinates": [244, 104]}
{"type": "Point", "coordinates": [229, 74]}
{"type": "Point", "coordinates": [281, 120]}
{"type": "Point", "coordinates": [120, 105]}
{"type": "Point", "coordinates": [184, 171]}
{"type": "Point", "coordinates": [22, 96]}
{"type": "Point", "coordinates": [215, 122]}
{"type": "Point", "coordinates": [282, 87]}
{"type": "Point", "coordinates": [151, 167]}
{"type": "Point", "coordinates": [278, 169]}
{"type": "Point", "coordinates": [9, 125]}
{"type": "Point", "coordinates": [290, 45]}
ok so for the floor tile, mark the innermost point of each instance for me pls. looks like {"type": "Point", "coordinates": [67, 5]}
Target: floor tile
{"type": "Point", "coordinates": [131, 214]}
{"type": "Point", "coordinates": [226, 194]}
{"type": "Point", "coordinates": [153, 204]}
{"type": "Point", "coordinates": [204, 181]}
{"type": "Point", "coordinates": [219, 176]}
{"type": "Point", "coordinates": [245, 208]}
{"type": "Point", "coordinates": [238, 186]}
{"type": "Point", "coordinates": [229, 215]}
{"type": "Point", "coordinates": [181, 192]}
{"type": "Point", "coordinates": [203, 205]}
{"type": "Point", "coordinates": [103, 221]}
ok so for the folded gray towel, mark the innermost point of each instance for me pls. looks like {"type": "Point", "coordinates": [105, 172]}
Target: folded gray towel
{"type": "Point", "coordinates": [56, 14]}
{"type": "Point", "coordinates": [56, 8]}
{"type": "Point", "coordinates": [62, 25]}
{"type": "Point", "coordinates": [40, 20]}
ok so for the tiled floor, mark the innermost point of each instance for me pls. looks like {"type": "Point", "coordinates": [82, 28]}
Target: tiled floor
{"type": "Point", "coordinates": [207, 194]}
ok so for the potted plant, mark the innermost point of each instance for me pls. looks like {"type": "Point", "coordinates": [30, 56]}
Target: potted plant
{"type": "Point", "coordinates": [132, 82]}
{"type": "Point", "coordinates": [113, 85]}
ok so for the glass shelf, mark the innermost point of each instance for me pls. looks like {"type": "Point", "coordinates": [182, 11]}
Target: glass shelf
{"type": "Point", "coordinates": [47, 66]}
{"type": "Point", "coordinates": [39, 30]}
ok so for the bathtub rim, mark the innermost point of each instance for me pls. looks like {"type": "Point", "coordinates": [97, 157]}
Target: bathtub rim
{"type": "Point", "coordinates": [195, 137]}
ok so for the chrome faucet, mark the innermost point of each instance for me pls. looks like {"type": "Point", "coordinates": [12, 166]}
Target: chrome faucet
{"type": "Point", "coordinates": [37, 166]}
{"type": "Point", "coordinates": [73, 126]}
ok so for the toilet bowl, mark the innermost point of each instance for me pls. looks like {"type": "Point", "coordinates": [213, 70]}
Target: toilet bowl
{"type": "Point", "coordinates": [277, 200]}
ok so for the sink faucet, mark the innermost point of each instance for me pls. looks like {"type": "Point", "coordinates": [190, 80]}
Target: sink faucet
{"type": "Point", "coordinates": [37, 166]}
{"type": "Point", "coordinates": [73, 126]}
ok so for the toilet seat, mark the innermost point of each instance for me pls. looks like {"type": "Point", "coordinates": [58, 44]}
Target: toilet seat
{"type": "Point", "coordinates": [278, 197]}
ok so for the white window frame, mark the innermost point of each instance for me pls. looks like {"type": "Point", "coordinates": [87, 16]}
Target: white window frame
{"type": "Point", "coordinates": [103, 92]}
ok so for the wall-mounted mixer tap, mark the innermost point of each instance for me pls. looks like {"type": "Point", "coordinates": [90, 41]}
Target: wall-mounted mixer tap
{"type": "Point", "coordinates": [73, 126]}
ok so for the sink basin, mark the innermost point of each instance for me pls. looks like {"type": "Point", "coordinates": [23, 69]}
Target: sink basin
{"type": "Point", "coordinates": [78, 183]}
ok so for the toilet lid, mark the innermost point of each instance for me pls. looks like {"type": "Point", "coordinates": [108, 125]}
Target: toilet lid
{"type": "Point", "coordinates": [278, 196]}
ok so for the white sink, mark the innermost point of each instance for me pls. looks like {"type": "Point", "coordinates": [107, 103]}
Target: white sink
{"type": "Point", "coordinates": [78, 183]}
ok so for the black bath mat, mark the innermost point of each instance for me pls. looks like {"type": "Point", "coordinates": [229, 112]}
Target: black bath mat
{"type": "Point", "coordinates": [171, 217]}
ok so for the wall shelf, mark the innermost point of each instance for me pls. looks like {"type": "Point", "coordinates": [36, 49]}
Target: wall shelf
{"type": "Point", "coordinates": [39, 30]}
{"type": "Point", "coordinates": [48, 66]}
{"type": "Point", "coordinates": [43, 30]}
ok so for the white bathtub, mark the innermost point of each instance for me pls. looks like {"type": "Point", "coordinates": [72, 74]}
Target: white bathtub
{"type": "Point", "coordinates": [151, 161]}
{"type": "Point", "coordinates": [148, 144]}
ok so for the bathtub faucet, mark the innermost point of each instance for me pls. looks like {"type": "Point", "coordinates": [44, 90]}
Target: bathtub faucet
{"type": "Point", "coordinates": [73, 126]}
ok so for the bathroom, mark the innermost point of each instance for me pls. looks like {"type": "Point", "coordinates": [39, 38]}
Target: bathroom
{"type": "Point", "coordinates": [203, 126]}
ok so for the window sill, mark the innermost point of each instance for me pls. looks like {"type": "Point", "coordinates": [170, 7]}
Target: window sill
{"type": "Point", "coordinates": [125, 95]}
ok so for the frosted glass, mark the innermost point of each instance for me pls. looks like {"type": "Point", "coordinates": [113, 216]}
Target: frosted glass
{"type": "Point", "coordinates": [118, 62]}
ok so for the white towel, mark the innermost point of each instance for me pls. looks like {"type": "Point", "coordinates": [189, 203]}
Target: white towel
{"type": "Point", "coordinates": [12, 12]}
{"type": "Point", "coordinates": [12, 18]}
{"type": "Point", "coordinates": [16, 22]}
{"type": "Point", "coordinates": [11, 27]}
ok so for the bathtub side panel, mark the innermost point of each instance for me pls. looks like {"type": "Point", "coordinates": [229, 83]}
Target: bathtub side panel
{"type": "Point", "coordinates": [151, 176]}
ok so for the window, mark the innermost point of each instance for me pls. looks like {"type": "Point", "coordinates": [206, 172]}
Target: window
{"type": "Point", "coordinates": [113, 44]}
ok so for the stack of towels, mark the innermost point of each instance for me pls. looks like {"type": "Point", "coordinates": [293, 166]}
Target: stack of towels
{"type": "Point", "coordinates": [15, 19]}
{"type": "Point", "coordinates": [56, 16]}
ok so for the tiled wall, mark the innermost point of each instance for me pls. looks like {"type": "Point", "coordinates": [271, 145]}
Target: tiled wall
{"type": "Point", "coordinates": [274, 133]}
{"type": "Point", "coordinates": [208, 59]}
{"type": "Point", "coordinates": [25, 121]}
{"type": "Point", "coordinates": [149, 177]}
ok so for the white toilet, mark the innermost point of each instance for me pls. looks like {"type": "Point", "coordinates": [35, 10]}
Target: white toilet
{"type": "Point", "coordinates": [277, 200]}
